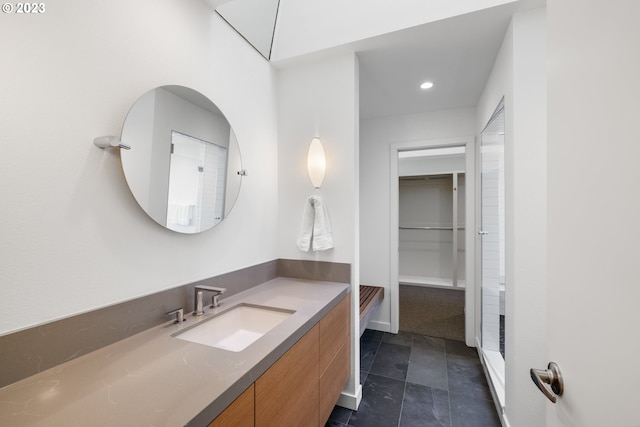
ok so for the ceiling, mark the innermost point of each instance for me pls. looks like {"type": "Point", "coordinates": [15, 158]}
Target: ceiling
{"type": "Point", "coordinates": [456, 54]}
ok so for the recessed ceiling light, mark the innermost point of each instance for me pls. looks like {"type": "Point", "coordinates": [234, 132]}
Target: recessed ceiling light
{"type": "Point", "coordinates": [426, 85]}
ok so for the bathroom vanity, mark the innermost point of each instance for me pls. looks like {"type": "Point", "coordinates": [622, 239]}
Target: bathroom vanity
{"type": "Point", "coordinates": [304, 384]}
{"type": "Point", "coordinates": [291, 375]}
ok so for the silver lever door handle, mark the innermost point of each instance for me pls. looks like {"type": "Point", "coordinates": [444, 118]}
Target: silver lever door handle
{"type": "Point", "coordinates": [549, 381]}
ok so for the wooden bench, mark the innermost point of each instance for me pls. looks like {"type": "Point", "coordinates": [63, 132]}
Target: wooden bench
{"type": "Point", "coordinates": [370, 299]}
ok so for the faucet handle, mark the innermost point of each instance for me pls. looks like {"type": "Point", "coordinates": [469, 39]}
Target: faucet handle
{"type": "Point", "coordinates": [179, 312]}
{"type": "Point", "coordinates": [211, 289]}
{"type": "Point", "coordinates": [215, 302]}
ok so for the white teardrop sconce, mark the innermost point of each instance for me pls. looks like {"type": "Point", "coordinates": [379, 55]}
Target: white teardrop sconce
{"type": "Point", "coordinates": [316, 162]}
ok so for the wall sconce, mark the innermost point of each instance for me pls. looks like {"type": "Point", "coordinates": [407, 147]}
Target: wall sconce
{"type": "Point", "coordinates": [316, 162]}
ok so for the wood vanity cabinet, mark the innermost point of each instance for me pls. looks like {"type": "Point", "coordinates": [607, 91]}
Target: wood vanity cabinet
{"type": "Point", "coordinates": [302, 387]}
{"type": "Point", "coordinates": [287, 394]}
{"type": "Point", "coordinates": [335, 348]}
{"type": "Point", "coordinates": [241, 412]}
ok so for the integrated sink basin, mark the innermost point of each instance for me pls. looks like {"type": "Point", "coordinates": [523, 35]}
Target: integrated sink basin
{"type": "Point", "coordinates": [236, 328]}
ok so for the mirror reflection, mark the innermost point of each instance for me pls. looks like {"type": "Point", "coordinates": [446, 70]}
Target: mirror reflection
{"type": "Point", "coordinates": [184, 160]}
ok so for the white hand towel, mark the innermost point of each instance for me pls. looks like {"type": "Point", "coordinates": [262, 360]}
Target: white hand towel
{"type": "Point", "coordinates": [306, 227]}
{"type": "Point", "coordinates": [315, 230]}
{"type": "Point", "coordinates": [322, 236]}
{"type": "Point", "coordinates": [179, 214]}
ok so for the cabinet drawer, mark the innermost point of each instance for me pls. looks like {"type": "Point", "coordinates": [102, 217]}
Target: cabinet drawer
{"type": "Point", "coordinates": [334, 328]}
{"type": "Point", "coordinates": [333, 380]}
{"type": "Point", "coordinates": [240, 413]}
{"type": "Point", "coordinates": [287, 393]}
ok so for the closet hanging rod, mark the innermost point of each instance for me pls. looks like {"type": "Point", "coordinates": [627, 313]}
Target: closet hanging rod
{"type": "Point", "coordinates": [429, 228]}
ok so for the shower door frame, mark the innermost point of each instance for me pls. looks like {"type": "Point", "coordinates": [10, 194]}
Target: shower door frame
{"type": "Point", "coordinates": [493, 361]}
{"type": "Point", "coordinates": [470, 163]}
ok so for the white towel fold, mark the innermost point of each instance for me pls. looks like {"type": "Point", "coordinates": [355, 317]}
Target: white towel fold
{"type": "Point", "coordinates": [315, 230]}
{"type": "Point", "coordinates": [179, 214]}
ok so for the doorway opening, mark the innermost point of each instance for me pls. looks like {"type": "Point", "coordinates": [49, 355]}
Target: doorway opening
{"type": "Point", "coordinates": [431, 249]}
{"type": "Point", "coordinates": [432, 269]}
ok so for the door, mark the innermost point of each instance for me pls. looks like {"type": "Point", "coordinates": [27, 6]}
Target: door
{"type": "Point", "coordinates": [594, 211]}
{"type": "Point", "coordinates": [185, 183]}
{"type": "Point", "coordinates": [197, 175]}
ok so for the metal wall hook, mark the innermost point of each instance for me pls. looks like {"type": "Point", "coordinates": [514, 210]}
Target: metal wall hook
{"type": "Point", "coordinates": [549, 381]}
{"type": "Point", "coordinates": [110, 141]}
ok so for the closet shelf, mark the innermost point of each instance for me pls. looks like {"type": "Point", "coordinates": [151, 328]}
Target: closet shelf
{"type": "Point", "coordinates": [429, 228]}
{"type": "Point", "coordinates": [431, 282]}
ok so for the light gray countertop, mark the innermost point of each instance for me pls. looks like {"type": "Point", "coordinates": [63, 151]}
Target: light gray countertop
{"type": "Point", "coordinates": [155, 379]}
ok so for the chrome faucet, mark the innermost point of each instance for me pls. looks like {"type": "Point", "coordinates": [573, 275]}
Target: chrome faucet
{"type": "Point", "coordinates": [199, 291]}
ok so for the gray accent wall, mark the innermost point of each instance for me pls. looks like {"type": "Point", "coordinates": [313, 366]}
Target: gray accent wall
{"type": "Point", "coordinates": [36, 349]}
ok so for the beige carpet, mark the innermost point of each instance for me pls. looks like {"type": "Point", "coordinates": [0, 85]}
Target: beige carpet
{"type": "Point", "coordinates": [432, 311]}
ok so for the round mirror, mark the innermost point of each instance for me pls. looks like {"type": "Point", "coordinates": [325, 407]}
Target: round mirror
{"type": "Point", "coordinates": [184, 166]}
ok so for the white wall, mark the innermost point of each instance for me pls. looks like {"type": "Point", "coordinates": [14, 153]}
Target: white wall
{"type": "Point", "coordinates": [320, 99]}
{"type": "Point", "coordinates": [306, 26]}
{"type": "Point", "coordinates": [519, 75]}
{"type": "Point", "coordinates": [73, 237]}
{"type": "Point", "coordinates": [376, 137]}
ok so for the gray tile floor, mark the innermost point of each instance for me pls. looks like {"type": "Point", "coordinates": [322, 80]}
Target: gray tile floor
{"type": "Point", "coordinates": [415, 380]}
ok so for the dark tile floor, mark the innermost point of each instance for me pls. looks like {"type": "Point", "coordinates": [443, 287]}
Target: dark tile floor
{"type": "Point", "coordinates": [416, 380]}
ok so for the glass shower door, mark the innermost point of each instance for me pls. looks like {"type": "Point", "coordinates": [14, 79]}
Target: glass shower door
{"type": "Point", "coordinates": [197, 178]}
{"type": "Point", "coordinates": [492, 237]}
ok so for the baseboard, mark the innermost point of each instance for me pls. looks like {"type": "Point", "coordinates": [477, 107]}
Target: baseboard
{"type": "Point", "coordinates": [376, 325]}
{"type": "Point", "coordinates": [350, 401]}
